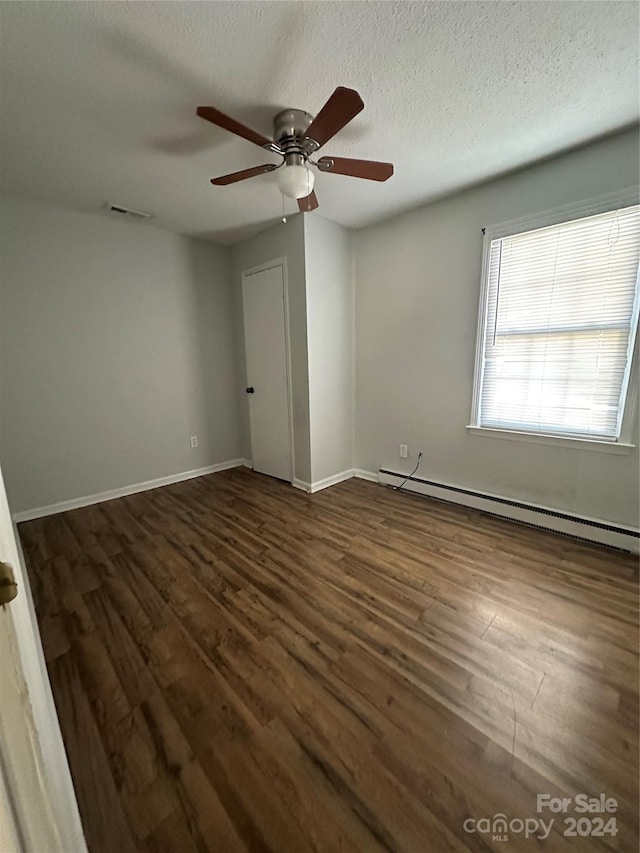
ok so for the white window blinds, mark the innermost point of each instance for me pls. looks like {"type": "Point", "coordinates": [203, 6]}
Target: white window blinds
{"type": "Point", "coordinates": [560, 320]}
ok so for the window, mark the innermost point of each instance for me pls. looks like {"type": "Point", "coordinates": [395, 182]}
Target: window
{"type": "Point", "coordinates": [557, 328]}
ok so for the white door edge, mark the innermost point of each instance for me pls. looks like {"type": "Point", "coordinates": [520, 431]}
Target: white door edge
{"type": "Point", "coordinates": [58, 779]}
{"type": "Point", "coordinates": [37, 793]}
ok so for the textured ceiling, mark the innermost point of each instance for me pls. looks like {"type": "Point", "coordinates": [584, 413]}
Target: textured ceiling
{"type": "Point", "coordinates": [98, 99]}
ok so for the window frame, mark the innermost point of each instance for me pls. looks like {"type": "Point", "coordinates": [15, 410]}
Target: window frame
{"type": "Point", "coordinates": [566, 213]}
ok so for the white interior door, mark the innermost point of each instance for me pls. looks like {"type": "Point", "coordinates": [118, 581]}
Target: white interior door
{"type": "Point", "coordinates": [263, 296]}
{"type": "Point", "coordinates": [38, 810]}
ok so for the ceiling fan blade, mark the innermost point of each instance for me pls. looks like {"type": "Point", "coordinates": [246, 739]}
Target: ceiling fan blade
{"type": "Point", "coordinates": [341, 107]}
{"type": "Point", "coordinates": [234, 177]}
{"type": "Point", "coordinates": [221, 120]}
{"type": "Point", "coordinates": [370, 170]}
{"type": "Point", "coordinates": [309, 203]}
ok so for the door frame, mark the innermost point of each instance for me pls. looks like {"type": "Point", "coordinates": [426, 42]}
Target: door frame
{"type": "Point", "coordinates": [59, 818]}
{"type": "Point", "coordinates": [282, 263]}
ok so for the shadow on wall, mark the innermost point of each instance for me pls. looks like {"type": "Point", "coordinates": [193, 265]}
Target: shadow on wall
{"type": "Point", "coordinates": [213, 370]}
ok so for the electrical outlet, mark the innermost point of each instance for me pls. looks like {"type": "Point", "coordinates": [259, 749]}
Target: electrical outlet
{"type": "Point", "coordinates": [404, 451]}
{"type": "Point", "coordinates": [194, 441]}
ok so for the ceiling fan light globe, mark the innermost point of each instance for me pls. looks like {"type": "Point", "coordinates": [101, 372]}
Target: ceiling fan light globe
{"type": "Point", "coordinates": [296, 181]}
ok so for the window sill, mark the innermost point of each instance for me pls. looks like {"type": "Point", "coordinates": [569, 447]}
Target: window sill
{"type": "Point", "coordinates": [618, 447]}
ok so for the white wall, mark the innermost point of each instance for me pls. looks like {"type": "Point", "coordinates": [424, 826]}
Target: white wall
{"type": "Point", "coordinates": [116, 345]}
{"type": "Point", "coordinates": [330, 335]}
{"type": "Point", "coordinates": [417, 292]}
{"type": "Point", "coordinates": [280, 241]}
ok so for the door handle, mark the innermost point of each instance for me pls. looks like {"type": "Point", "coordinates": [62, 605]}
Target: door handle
{"type": "Point", "coordinates": [8, 586]}
{"type": "Point", "coordinates": [250, 390]}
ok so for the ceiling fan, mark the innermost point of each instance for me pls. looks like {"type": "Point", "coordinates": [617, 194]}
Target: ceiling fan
{"type": "Point", "coordinates": [296, 137]}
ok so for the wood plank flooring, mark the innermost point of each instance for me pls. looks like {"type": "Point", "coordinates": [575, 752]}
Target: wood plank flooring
{"type": "Point", "coordinates": [238, 666]}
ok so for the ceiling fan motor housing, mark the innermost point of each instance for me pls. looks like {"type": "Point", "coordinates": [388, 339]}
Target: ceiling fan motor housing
{"type": "Point", "coordinates": [289, 129]}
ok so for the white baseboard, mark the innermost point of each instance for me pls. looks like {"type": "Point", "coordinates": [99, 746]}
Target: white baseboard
{"type": "Point", "coordinates": [361, 474]}
{"type": "Point", "coordinates": [318, 485]}
{"type": "Point", "coordinates": [331, 481]}
{"type": "Point", "coordinates": [559, 521]}
{"type": "Point", "coordinates": [88, 500]}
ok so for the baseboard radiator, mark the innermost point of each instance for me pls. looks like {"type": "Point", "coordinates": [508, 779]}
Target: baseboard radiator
{"type": "Point", "coordinates": [590, 529]}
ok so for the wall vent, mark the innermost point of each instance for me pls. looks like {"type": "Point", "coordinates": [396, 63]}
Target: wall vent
{"type": "Point", "coordinates": [127, 211]}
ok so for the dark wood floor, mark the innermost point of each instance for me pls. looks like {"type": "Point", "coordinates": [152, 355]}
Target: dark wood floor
{"type": "Point", "coordinates": [240, 666]}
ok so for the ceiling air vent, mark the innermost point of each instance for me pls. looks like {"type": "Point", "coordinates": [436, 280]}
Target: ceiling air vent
{"type": "Point", "coordinates": [127, 211]}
